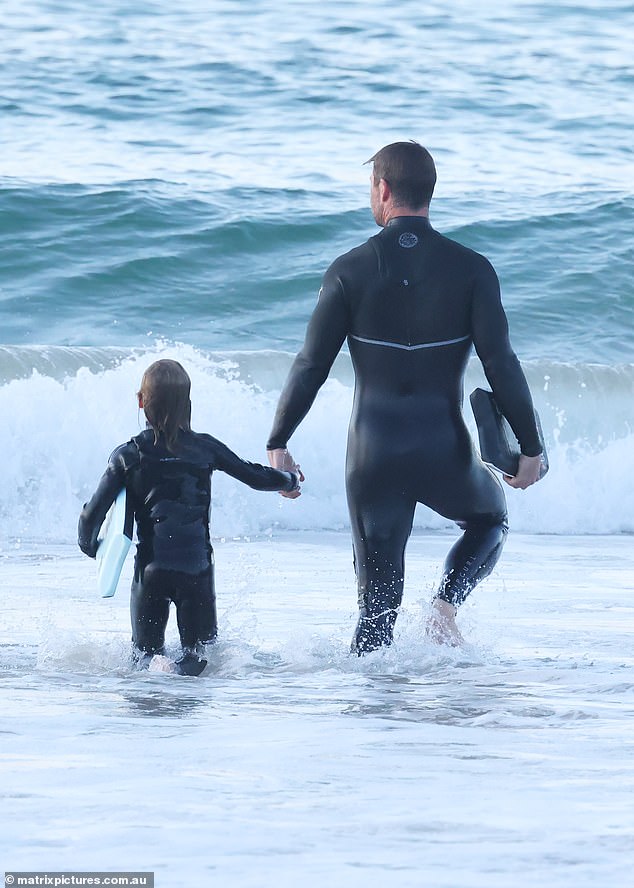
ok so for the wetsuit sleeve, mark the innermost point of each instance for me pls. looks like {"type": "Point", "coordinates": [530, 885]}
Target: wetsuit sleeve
{"type": "Point", "coordinates": [501, 365]}
{"type": "Point", "coordinates": [253, 474]}
{"type": "Point", "coordinates": [95, 510]}
{"type": "Point", "coordinates": [326, 333]}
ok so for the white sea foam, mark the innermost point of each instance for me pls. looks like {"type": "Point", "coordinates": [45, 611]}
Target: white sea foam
{"type": "Point", "coordinates": [64, 426]}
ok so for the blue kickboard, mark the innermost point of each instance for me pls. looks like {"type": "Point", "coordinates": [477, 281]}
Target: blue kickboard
{"type": "Point", "coordinates": [115, 540]}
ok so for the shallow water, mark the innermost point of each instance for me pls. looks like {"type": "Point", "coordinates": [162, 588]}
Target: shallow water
{"type": "Point", "coordinates": [506, 762]}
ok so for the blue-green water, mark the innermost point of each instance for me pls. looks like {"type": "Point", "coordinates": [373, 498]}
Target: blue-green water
{"type": "Point", "coordinates": [189, 172]}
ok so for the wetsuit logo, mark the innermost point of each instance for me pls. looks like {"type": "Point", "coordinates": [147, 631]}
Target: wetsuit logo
{"type": "Point", "coordinates": [408, 239]}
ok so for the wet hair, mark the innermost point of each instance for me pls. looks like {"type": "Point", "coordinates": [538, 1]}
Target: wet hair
{"type": "Point", "coordinates": [165, 391]}
{"type": "Point", "coordinates": [409, 170]}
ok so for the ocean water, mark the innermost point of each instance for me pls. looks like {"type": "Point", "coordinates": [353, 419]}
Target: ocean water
{"type": "Point", "coordinates": [174, 182]}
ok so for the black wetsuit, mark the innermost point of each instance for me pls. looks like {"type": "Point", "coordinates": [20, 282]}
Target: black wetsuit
{"type": "Point", "coordinates": [411, 304]}
{"type": "Point", "coordinates": [171, 496]}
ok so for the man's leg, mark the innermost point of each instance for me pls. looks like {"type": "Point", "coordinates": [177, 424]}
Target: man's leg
{"type": "Point", "coordinates": [472, 557]}
{"type": "Point", "coordinates": [470, 560]}
{"type": "Point", "coordinates": [380, 530]}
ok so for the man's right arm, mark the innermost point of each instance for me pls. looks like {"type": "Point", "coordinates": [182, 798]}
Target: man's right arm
{"type": "Point", "coordinates": [326, 333]}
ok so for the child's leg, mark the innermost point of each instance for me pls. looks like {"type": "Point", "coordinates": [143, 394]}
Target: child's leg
{"type": "Point", "coordinates": [149, 609]}
{"type": "Point", "coordinates": [196, 616]}
{"type": "Point", "coordinates": [196, 609]}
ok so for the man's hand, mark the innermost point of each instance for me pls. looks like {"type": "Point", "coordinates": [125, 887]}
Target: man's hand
{"type": "Point", "coordinates": [528, 472]}
{"type": "Point", "coordinates": [282, 460]}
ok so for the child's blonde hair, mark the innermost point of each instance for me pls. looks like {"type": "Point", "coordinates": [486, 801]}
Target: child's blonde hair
{"type": "Point", "coordinates": [165, 397]}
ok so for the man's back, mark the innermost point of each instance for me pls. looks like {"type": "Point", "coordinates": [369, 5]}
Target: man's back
{"type": "Point", "coordinates": [410, 286]}
{"type": "Point", "coordinates": [409, 294]}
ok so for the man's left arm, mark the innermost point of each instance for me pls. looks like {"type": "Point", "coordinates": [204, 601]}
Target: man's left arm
{"type": "Point", "coordinates": [501, 365]}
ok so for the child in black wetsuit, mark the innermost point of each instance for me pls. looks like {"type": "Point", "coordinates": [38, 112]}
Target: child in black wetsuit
{"type": "Point", "coordinates": [166, 471]}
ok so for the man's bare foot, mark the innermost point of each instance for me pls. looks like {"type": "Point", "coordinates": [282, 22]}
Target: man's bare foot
{"type": "Point", "coordinates": [441, 624]}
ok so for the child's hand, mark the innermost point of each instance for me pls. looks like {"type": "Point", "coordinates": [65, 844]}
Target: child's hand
{"type": "Point", "coordinates": [282, 460]}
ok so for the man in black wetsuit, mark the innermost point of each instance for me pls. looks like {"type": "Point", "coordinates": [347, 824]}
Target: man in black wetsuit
{"type": "Point", "coordinates": [411, 304]}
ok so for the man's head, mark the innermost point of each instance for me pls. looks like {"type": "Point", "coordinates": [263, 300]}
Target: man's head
{"type": "Point", "coordinates": [409, 176]}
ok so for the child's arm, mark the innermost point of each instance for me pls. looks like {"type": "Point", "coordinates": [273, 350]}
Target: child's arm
{"type": "Point", "coordinates": [255, 475]}
{"type": "Point", "coordinates": [95, 510]}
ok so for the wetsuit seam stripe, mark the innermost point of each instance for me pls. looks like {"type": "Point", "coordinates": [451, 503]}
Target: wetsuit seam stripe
{"type": "Point", "coordinates": [411, 347]}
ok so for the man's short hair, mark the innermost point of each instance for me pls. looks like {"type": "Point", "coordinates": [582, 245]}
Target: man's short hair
{"type": "Point", "coordinates": [409, 170]}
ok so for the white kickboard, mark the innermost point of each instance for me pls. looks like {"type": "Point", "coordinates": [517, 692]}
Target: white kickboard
{"type": "Point", "coordinates": [115, 540]}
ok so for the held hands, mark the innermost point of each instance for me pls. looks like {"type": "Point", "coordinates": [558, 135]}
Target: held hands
{"type": "Point", "coordinates": [528, 472]}
{"type": "Point", "coordinates": [282, 460]}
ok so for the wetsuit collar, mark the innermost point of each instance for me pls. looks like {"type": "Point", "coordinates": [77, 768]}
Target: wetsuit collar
{"type": "Point", "coordinates": [409, 222]}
